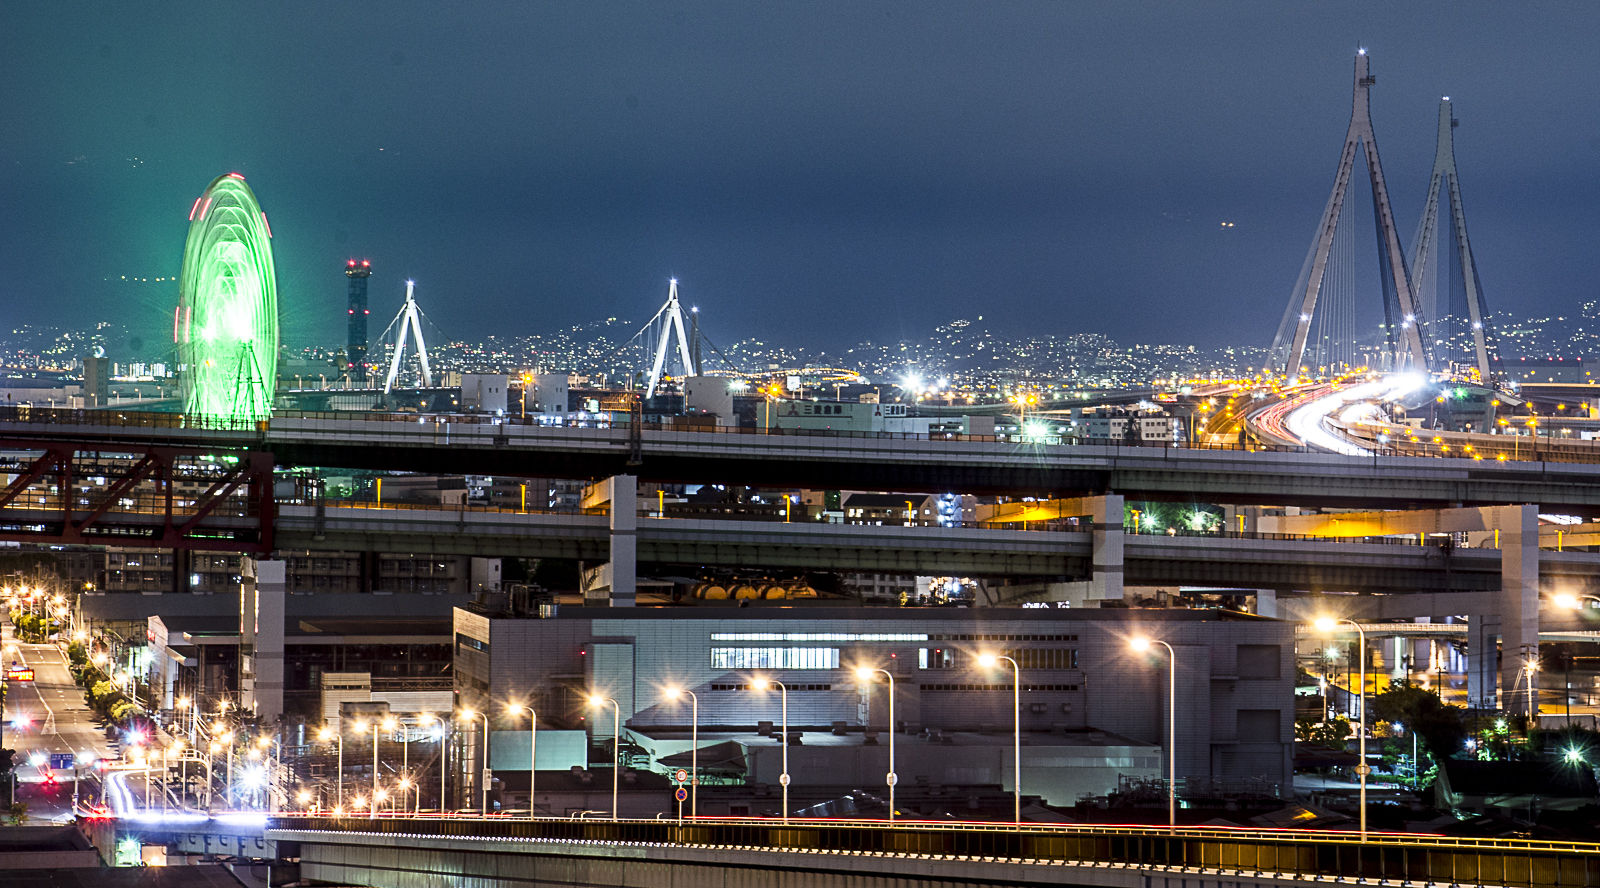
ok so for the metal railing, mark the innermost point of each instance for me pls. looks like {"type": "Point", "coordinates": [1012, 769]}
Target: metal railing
{"type": "Point", "coordinates": [1547, 449]}
{"type": "Point", "coordinates": [1336, 856]}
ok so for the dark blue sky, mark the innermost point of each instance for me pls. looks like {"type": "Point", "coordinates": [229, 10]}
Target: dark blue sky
{"type": "Point", "coordinates": [812, 172]}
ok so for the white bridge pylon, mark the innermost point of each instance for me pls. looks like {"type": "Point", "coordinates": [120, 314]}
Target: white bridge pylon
{"type": "Point", "coordinates": [1427, 240]}
{"type": "Point", "coordinates": [409, 318]}
{"type": "Point", "coordinates": [671, 319]}
{"type": "Point", "coordinates": [1290, 344]}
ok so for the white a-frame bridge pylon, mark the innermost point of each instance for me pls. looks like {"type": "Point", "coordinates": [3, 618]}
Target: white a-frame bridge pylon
{"type": "Point", "coordinates": [409, 318]}
{"type": "Point", "coordinates": [671, 319]}
{"type": "Point", "coordinates": [1288, 349]}
{"type": "Point", "coordinates": [1427, 240]}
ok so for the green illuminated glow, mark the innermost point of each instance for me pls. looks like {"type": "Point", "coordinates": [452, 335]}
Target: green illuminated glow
{"type": "Point", "coordinates": [226, 328]}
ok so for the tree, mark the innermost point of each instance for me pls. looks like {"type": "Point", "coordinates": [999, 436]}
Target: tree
{"type": "Point", "coordinates": [1439, 726]}
{"type": "Point", "coordinates": [17, 814]}
{"type": "Point", "coordinates": [1332, 733]}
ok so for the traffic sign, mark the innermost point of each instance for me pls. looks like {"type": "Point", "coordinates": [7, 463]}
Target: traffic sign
{"type": "Point", "coordinates": [1363, 770]}
{"type": "Point", "coordinates": [61, 761]}
{"type": "Point", "coordinates": [681, 794]}
{"type": "Point", "coordinates": [681, 776]}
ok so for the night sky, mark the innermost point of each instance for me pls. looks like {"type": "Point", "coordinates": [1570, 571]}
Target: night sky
{"type": "Point", "coordinates": [817, 173]}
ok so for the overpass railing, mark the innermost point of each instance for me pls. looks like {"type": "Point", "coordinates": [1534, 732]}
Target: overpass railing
{"type": "Point", "coordinates": [1547, 449]}
{"type": "Point", "coordinates": [1289, 853]}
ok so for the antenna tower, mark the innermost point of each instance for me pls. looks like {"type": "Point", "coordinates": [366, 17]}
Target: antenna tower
{"type": "Point", "coordinates": [409, 318]}
{"type": "Point", "coordinates": [1425, 247]}
{"type": "Point", "coordinates": [1288, 347]}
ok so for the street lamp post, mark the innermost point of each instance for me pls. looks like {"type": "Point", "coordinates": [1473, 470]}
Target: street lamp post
{"type": "Point", "coordinates": [175, 746]}
{"type": "Point", "coordinates": [533, 749]}
{"type": "Point", "coordinates": [597, 701]}
{"type": "Point", "coordinates": [1531, 667]}
{"type": "Point", "coordinates": [325, 735]}
{"type": "Point", "coordinates": [867, 673]}
{"type": "Point", "coordinates": [694, 746]}
{"type": "Point", "coordinates": [227, 797]}
{"type": "Point", "coordinates": [444, 731]}
{"type": "Point", "coordinates": [762, 683]}
{"type": "Point", "coordinates": [483, 772]}
{"type": "Point", "coordinates": [1326, 625]}
{"type": "Point", "coordinates": [1143, 644]}
{"type": "Point", "coordinates": [211, 785]}
{"type": "Point", "coordinates": [989, 661]}
{"type": "Point", "coordinates": [388, 725]}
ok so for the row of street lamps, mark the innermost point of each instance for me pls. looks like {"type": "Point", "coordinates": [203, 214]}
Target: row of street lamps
{"type": "Point", "coordinates": [222, 738]}
{"type": "Point", "coordinates": [759, 683]}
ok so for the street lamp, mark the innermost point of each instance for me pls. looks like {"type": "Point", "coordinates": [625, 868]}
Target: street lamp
{"type": "Point", "coordinates": [868, 673]}
{"type": "Point", "coordinates": [1143, 644]}
{"type": "Point", "coordinates": [1531, 667]}
{"type": "Point", "coordinates": [596, 701]}
{"type": "Point", "coordinates": [1326, 625]}
{"type": "Point", "coordinates": [325, 735]}
{"type": "Point", "coordinates": [533, 748]}
{"type": "Point", "coordinates": [674, 693]}
{"type": "Point", "coordinates": [483, 772]}
{"type": "Point", "coordinates": [1569, 601]}
{"type": "Point", "coordinates": [211, 761]}
{"type": "Point", "coordinates": [990, 661]}
{"type": "Point", "coordinates": [175, 746]}
{"type": "Point", "coordinates": [444, 731]}
{"type": "Point", "coordinates": [227, 738]}
{"type": "Point", "coordinates": [388, 724]}
{"type": "Point", "coordinates": [762, 683]}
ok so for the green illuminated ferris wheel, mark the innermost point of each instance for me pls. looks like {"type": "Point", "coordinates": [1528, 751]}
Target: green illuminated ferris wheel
{"type": "Point", "coordinates": [226, 326]}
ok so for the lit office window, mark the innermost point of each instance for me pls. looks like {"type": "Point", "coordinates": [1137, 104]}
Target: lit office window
{"type": "Point", "coordinates": [774, 658]}
{"type": "Point", "coordinates": [817, 636]}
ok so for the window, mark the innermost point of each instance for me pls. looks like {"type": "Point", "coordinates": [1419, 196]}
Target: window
{"type": "Point", "coordinates": [792, 687]}
{"type": "Point", "coordinates": [996, 687]}
{"type": "Point", "coordinates": [936, 658]}
{"type": "Point", "coordinates": [1259, 661]}
{"type": "Point", "coordinates": [1045, 658]}
{"type": "Point", "coordinates": [815, 636]}
{"type": "Point", "coordinates": [1260, 725]}
{"type": "Point", "coordinates": [775, 658]}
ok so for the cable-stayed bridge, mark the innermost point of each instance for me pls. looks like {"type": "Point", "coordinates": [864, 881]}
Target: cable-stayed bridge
{"type": "Point", "coordinates": [1326, 327]}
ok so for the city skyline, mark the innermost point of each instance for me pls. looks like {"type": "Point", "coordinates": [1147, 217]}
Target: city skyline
{"type": "Point", "coordinates": [1037, 161]}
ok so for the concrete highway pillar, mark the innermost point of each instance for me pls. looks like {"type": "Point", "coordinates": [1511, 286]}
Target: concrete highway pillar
{"type": "Point", "coordinates": [1105, 583]}
{"type": "Point", "coordinates": [1267, 603]}
{"type": "Point", "coordinates": [1483, 659]}
{"type": "Point", "coordinates": [261, 609]}
{"type": "Point", "coordinates": [1240, 519]}
{"type": "Point", "coordinates": [1519, 590]}
{"type": "Point", "coordinates": [613, 583]}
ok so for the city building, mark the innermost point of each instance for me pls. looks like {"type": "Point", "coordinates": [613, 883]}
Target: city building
{"type": "Point", "coordinates": [355, 349]}
{"type": "Point", "coordinates": [1090, 706]}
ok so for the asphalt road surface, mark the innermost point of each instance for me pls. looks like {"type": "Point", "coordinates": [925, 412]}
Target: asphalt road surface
{"type": "Point", "coordinates": [48, 715]}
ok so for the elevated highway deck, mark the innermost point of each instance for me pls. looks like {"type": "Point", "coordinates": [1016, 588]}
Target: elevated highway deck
{"type": "Point", "coordinates": [1256, 561]}
{"type": "Point", "coordinates": [973, 464]}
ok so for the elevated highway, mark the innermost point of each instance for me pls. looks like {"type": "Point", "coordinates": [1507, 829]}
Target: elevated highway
{"type": "Point", "coordinates": [971, 464]}
{"type": "Point", "coordinates": [1256, 561]}
{"type": "Point", "coordinates": [1276, 561]}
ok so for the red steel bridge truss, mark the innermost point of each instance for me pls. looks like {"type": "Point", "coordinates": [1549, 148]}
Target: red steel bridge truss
{"type": "Point", "coordinates": [129, 494]}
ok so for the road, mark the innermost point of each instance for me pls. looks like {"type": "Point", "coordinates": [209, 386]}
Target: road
{"type": "Point", "coordinates": [46, 716]}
